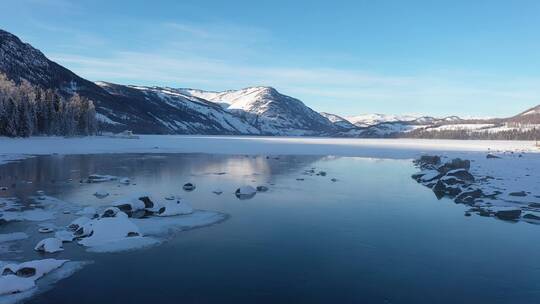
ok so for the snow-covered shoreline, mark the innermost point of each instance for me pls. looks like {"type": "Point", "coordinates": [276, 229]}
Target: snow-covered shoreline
{"type": "Point", "coordinates": [17, 148]}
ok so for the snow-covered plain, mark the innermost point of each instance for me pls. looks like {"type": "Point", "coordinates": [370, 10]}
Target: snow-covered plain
{"type": "Point", "coordinates": [17, 148]}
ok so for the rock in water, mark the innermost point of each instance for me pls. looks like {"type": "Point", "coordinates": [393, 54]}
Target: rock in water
{"type": "Point", "coordinates": [245, 192]}
{"type": "Point", "coordinates": [101, 194]}
{"type": "Point", "coordinates": [454, 164]}
{"type": "Point", "coordinates": [428, 161]}
{"type": "Point", "coordinates": [262, 188]}
{"type": "Point", "coordinates": [45, 230]}
{"type": "Point", "coordinates": [461, 174]}
{"type": "Point", "coordinates": [520, 193]}
{"type": "Point", "coordinates": [189, 187]}
{"type": "Point", "coordinates": [508, 215]}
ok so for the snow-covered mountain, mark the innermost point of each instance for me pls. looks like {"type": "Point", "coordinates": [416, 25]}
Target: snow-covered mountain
{"type": "Point", "coordinates": [366, 120]}
{"type": "Point", "coordinates": [268, 110]}
{"type": "Point", "coordinates": [249, 111]}
{"type": "Point", "coordinates": [181, 114]}
{"type": "Point", "coordinates": [143, 110]}
{"type": "Point", "coordinates": [338, 121]}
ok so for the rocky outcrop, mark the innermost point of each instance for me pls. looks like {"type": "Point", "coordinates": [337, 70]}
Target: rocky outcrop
{"type": "Point", "coordinates": [453, 179]}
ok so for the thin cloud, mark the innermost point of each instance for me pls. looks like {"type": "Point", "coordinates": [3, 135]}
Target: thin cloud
{"type": "Point", "coordinates": [321, 88]}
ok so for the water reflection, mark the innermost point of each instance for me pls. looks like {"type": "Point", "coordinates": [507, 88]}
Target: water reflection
{"type": "Point", "coordinates": [373, 236]}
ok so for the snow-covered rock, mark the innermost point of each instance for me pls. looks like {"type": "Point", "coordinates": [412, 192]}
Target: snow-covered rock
{"type": "Point", "coordinates": [135, 203]}
{"type": "Point", "coordinates": [245, 192]}
{"type": "Point", "coordinates": [113, 212]}
{"type": "Point", "coordinates": [49, 245]}
{"type": "Point", "coordinates": [101, 194]}
{"type": "Point", "coordinates": [78, 223]}
{"type": "Point", "coordinates": [109, 230]}
{"type": "Point", "coordinates": [16, 278]}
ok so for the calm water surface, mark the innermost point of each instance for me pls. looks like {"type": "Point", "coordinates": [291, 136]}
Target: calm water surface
{"type": "Point", "coordinates": [374, 236]}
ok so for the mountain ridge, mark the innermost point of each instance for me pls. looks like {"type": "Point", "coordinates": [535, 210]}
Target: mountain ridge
{"type": "Point", "coordinates": [257, 110]}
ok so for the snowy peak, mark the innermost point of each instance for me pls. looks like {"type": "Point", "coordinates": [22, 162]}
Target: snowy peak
{"type": "Point", "coordinates": [270, 111]}
{"type": "Point", "coordinates": [338, 121]}
{"type": "Point", "coordinates": [366, 120]}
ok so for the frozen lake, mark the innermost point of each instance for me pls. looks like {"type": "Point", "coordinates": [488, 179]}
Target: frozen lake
{"type": "Point", "coordinates": [372, 236]}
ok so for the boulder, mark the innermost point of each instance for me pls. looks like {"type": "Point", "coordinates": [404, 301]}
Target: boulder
{"type": "Point", "coordinates": [441, 189]}
{"type": "Point", "coordinates": [113, 212]}
{"type": "Point", "coordinates": [491, 156]}
{"type": "Point", "coordinates": [530, 216]}
{"type": "Point", "coordinates": [428, 161]}
{"type": "Point", "coordinates": [461, 174]}
{"type": "Point", "coordinates": [520, 193]}
{"type": "Point", "coordinates": [454, 164]}
{"type": "Point", "coordinates": [262, 188]}
{"type": "Point", "coordinates": [245, 192]}
{"type": "Point", "coordinates": [468, 197]}
{"type": "Point", "coordinates": [430, 175]}
{"type": "Point", "coordinates": [131, 205]}
{"type": "Point", "coordinates": [508, 215]}
{"type": "Point", "coordinates": [189, 187]}
{"type": "Point", "coordinates": [534, 205]}
{"type": "Point", "coordinates": [77, 223]}
{"type": "Point", "coordinates": [101, 194]}
{"type": "Point", "coordinates": [26, 272]}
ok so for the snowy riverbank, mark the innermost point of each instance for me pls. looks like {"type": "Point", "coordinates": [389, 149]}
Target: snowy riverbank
{"type": "Point", "coordinates": [13, 148]}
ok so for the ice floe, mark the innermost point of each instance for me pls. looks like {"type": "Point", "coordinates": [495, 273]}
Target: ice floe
{"type": "Point", "coordinates": [64, 236]}
{"type": "Point", "coordinates": [21, 277]}
{"type": "Point", "coordinates": [49, 245]}
{"type": "Point", "coordinates": [175, 207]}
{"type": "Point", "coordinates": [26, 279]}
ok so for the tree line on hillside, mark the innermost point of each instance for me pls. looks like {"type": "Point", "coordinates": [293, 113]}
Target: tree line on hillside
{"type": "Point", "coordinates": [26, 110]}
{"type": "Point", "coordinates": [523, 133]}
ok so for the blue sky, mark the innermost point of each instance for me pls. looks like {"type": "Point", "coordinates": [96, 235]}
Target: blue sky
{"type": "Point", "coordinates": [469, 58]}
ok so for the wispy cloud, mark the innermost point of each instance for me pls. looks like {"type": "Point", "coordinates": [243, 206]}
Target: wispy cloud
{"type": "Point", "coordinates": [323, 88]}
{"type": "Point", "coordinates": [223, 56]}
